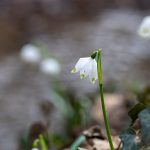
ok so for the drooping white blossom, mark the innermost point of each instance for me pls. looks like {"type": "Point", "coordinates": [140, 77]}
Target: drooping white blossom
{"type": "Point", "coordinates": [50, 66]}
{"type": "Point", "coordinates": [87, 67]}
{"type": "Point", "coordinates": [144, 29]}
{"type": "Point", "coordinates": [34, 149]}
{"type": "Point", "coordinates": [30, 54]}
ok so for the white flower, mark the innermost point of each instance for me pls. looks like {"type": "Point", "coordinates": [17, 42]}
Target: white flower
{"type": "Point", "coordinates": [87, 67]}
{"type": "Point", "coordinates": [34, 149]}
{"type": "Point", "coordinates": [50, 66]}
{"type": "Point", "coordinates": [30, 54]}
{"type": "Point", "coordinates": [144, 29]}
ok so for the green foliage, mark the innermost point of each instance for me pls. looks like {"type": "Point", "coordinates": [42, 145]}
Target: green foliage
{"type": "Point", "coordinates": [24, 142]}
{"type": "Point", "coordinates": [144, 117]}
{"type": "Point", "coordinates": [128, 140]}
{"type": "Point", "coordinates": [57, 140]}
{"type": "Point", "coordinates": [45, 141]}
{"type": "Point", "coordinates": [140, 111]}
{"type": "Point", "coordinates": [128, 137]}
{"type": "Point", "coordinates": [74, 111]}
{"type": "Point", "coordinates": [77, 142]}
{"type": "Point", "coordinates": [133, 113]}
{"type": "Point", "coordinates": [42, 143]}
{"type": "Point", "coordinates": [144, 96]}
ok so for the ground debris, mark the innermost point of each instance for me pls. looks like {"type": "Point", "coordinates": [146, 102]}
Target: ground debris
{"type": "Point", "coordinates": [95, 140]}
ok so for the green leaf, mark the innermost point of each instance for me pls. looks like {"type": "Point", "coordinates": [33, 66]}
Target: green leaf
{"type": "Point", "coordinates": [24, 141]}
{"type": "Point", "coordinates": [128, 140]}
{"type": "Point", "coordinates": [77, 142]}
{"type": "Point", "coordinates": [133, 113]}
{"type": "Point", "coordinates": [57, 141]}
{"type": "Point", "coordinates": [144, 96]}
{"type": "Point", "coordinates": [144, 117]}
{"type": "Point", "coordinates": [42, 143]}
{"type": "Point", "coordinates": [60, 103]}
{"type": "Point", "coordinates": [35, 143]}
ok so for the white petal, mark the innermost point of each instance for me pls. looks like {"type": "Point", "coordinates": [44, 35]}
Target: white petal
{"type": "Point", "coordinates": [146, 21]}
{"type": "Point", "coordinates": [93, 74]}
{"type": "Point", "coordinates": [144, 32]}
{"type": "Point", "coordinates": [81, 63]}
{"type": "Point", "coordinates": [86, 70]}
{"type": "Point", "coordinates": [144, 29]}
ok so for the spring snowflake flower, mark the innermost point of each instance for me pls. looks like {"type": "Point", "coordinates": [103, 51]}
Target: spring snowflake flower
{"type": "Point", "coordinates": [144, 29]}
{"type": "Point", "coordinates": [34, 149]}
{"type": "Point", "coordinates": [87, 67]}
{"type": "Point", "coordinates": [30, 54]}
{"type": "Point", "coordinates": [50, 66]}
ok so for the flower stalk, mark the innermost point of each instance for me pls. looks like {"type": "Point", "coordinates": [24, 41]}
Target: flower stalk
{"type": "Point", "coordinates": [92, 67]}
{"type": "Point", "coordinates": [100, 78]}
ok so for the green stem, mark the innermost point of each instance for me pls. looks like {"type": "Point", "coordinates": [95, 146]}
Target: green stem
{"type": "Point", "coordinates": [99, 70]}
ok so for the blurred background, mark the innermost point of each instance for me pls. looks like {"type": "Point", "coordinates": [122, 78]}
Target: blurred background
{"type": "Point", "coordinates": [44, 96]}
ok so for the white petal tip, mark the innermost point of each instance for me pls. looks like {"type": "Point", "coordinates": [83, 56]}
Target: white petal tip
{"type": "Point", "coordinates": [93, 80]}
{"type": "Point", "coordinates": [74, 70]}
{"type": "Point", "coordinates": [82, 76]}
{"type": "Point", "coordinates": [146, 30]}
